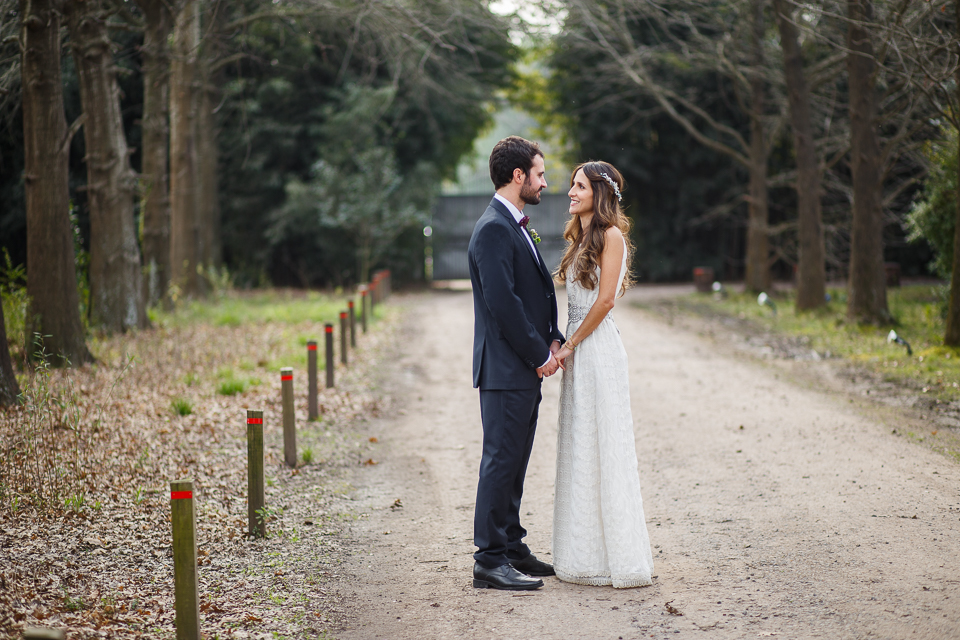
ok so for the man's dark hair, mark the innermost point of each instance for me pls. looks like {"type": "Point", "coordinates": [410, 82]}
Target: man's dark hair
{"type": "Point", "coordinates": [513, 152]}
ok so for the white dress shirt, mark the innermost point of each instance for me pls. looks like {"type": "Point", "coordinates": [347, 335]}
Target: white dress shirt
{"type": "Point", "coordinates": [517, 214]}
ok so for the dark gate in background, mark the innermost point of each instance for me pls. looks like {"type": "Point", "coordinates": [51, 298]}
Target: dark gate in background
{"type": "Point", "coordinates": [455, 216]}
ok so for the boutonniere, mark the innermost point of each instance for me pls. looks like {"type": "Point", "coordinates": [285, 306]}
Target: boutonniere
{"type": "Point", "coordinates": [533, 232]}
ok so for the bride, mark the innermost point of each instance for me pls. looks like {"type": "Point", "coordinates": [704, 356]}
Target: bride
{"type": "Point", "coordinates": [599, 533]}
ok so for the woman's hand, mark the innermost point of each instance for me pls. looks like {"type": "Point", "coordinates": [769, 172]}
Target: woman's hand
{"type": "Point", "coordinates": [562, 355]}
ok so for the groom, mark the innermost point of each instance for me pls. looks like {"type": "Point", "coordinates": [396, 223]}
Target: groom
{"type": "Point", "coordinates": [514, 341]}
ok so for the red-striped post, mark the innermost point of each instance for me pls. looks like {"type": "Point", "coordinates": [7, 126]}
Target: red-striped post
{"type": "Point", "coordinates": [344, 330]}
{"type": "Point", "coordinates": [353, 324]}
{"type": "Point", "coordinates": [329, 362]}
{"type": "Point", "coordinates": [185, 584]}
{"type": "Point", "coordinates": [364, 307]}
{"type": "Point", "coordinates": [289, 419]}
{"type": "Point", "coordinates": [312, 412]}
{"type": "Point", "coordinates": [256, 525]}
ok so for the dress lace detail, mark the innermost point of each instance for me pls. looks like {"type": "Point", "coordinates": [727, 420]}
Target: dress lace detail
{"type": "Point", "coordinates": [599, 531]}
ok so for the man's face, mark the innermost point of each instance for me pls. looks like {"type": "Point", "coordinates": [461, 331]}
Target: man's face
{"type": "Point", "coordinates": [535, 182]}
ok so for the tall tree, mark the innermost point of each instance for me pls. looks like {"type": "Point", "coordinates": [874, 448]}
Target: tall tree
{"type": "Point", "coordinates": [811, 270]}
{"type": "Point", "coordinates": [155, 182]}
{"type": "Point", "coordinates": [867, 298]}
{"type": "Point", "coordinates": [646, 43]}
{"type": "Point", "coordinates": [54, 311]}
{"type": "Point", "coordinates": [116, 298]}
{"type": "Point", "coordinates": [186, 252]}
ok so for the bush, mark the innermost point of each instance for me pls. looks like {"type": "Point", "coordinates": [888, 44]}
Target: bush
{"type": "Point", "coordinates": [232, 387]}
{"type": "Point", "coordinates": [934, 214]}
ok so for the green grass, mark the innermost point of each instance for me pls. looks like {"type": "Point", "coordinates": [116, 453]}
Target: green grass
{"type": "Point", "coordinates": [232, 387]}
{"type": "Point", "coordinates": [918, 320]}
{"type": "Point", "coordinates": [281, 306]}
{"type": "Point", "coordinates": [182, 406]}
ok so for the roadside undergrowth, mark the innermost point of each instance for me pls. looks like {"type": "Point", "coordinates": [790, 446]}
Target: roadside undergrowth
{"type": "Point", "coordinates": [87, 460]}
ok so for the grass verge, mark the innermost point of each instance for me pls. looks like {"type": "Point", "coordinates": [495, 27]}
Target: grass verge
{"type": "Point", "coordinates": [933, 369]}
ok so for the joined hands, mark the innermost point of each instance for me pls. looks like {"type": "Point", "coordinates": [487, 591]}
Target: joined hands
{"type": "Point", "coordinates": [552, 365]}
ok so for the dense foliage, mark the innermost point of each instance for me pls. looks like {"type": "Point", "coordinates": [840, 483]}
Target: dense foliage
{"type": "Point", "coordinates": [934, 214]}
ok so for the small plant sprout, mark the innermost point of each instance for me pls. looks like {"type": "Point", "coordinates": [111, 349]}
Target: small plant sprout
{"type": "Point", "coordinates": [893, 337]}
{"type": "Point", "coordinates": [182, 406]}
{"type": "Point", "coordinates": [764, 301]}
{"type": "Point", "coordinates": [307, 455]}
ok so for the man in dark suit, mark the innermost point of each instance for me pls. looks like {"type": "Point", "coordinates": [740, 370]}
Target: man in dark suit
{"type": "Point", "coordinates": [514, 341]}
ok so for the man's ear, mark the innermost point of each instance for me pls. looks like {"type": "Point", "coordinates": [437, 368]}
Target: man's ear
{"type": "Point", "coordinates": [518, 174]}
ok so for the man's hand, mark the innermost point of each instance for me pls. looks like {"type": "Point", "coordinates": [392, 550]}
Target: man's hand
{"type": "Point", "coordinates": [549, 368]}
{"type": "Point", "coordinates": [555, 347]}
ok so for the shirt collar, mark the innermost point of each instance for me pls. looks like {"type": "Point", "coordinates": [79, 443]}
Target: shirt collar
{"type": "Point", "coordinates": [516, 213]}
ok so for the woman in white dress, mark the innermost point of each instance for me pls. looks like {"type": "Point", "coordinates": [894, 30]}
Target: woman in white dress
{"type": "Point", "coordinates": [599, 532]}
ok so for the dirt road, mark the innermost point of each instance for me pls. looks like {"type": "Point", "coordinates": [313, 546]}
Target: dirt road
{"type": "Point", "coordinates": [775, 510]}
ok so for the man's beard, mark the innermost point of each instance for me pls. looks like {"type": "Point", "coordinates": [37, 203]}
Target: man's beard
{"type": "Point", "coordinates": [529, 194]}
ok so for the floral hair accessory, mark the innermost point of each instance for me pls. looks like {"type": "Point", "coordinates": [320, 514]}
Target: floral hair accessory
{"type": "Point", "coordinates": [613, 184]}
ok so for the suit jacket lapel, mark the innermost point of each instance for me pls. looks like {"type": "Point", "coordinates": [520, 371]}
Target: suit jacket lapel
{"type": "Point", "coordinates": [499, 206]}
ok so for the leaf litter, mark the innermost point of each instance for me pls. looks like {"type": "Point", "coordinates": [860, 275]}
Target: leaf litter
{"type": "Point", "coordinates": [100, 564]}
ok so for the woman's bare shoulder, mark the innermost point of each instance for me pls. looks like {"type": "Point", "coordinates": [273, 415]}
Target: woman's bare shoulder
{"type": "Point", "coordinates": [613, 233]}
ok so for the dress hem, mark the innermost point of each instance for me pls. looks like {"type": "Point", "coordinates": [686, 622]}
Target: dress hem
{"type": "Point", "coordinates": [605, 581]}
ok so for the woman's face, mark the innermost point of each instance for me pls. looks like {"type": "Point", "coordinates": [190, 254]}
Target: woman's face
{"type": "Point", "coordinates": [581, 195]}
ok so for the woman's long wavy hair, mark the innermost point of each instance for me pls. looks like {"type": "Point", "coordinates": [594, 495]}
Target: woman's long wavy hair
{"type": "Point", "coordinates": [582, 256]}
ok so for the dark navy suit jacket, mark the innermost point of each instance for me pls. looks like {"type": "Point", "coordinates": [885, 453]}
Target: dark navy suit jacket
{"type": "Point", "coordinates": [514, 304]}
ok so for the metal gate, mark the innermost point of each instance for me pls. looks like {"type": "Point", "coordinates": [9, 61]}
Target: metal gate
{"type": "Point", "coordinates": [455, 216]}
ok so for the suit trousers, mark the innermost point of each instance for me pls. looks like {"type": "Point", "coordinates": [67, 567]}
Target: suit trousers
{"type": "Point", "coordinates": [509, 419]}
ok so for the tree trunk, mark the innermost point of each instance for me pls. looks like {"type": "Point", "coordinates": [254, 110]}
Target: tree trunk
{"type": "Point", "coordinates": [811, 271]}
{"type": "Point", "coordinates": [116, 296]}
{"type": "Point", "coordinates": [209, 172]}
{"type": "Point", "coordinates": [155, 201]}
{"type": "Point", "coordinates": [9, 389]}
{"type": "Point", "coordinates": [951, 336]}
{"type": "Point", "coordinates": [868, 281]}
{"type": "Point", "coordinates": [54, 310]}
{"type": "Point", "coordinates": [185, 229]}
{"type": "Point", "coordinates": [758, 242]}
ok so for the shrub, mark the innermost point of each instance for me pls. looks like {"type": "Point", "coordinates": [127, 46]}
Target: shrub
{"type": "Point", "coordinates": [182, 406]}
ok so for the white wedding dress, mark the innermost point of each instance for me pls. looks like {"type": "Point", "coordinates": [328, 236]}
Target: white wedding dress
{"type": "Point", "coordinates": [599, 532]}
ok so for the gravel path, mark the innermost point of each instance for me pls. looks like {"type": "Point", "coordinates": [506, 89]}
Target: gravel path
{"type": "Point", "coordinates": [775, 509]}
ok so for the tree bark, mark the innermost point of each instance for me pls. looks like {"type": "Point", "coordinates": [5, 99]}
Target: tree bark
{"type": "Point", "coordinates": [209, 187]}
{"type": "Point", "coordinates": [951, 336]}
{"type": "Point", "coordinates": [185, 226]}
{"type": "Point", "coordinates": [867, 297]}
{"type": "Point", "coordinates": [758, 241]}
{"type": "Point", "coordinates": [811, 271]}
{"type": "Point", "coordinates": [9, 389]}
{"type": "Point", "coordinates": [54, 311]}
{"type": "Point", "coordinates": [116, 296]}
{"type": "Point", "coordinates": [155, 201]}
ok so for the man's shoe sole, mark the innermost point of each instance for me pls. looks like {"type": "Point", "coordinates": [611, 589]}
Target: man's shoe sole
{"type": "Point", "coordinates": [483, 584]}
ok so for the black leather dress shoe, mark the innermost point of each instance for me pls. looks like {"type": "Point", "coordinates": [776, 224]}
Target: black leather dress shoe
{"type": "Point", "coordinates": [503, 577]}
{"type": "Point", "coordinates": [533, 567]}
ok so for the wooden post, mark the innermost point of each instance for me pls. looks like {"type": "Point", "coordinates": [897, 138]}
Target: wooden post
{"type": "Point", "coordinates": [256, 526]}
{"type": "Point", "coordinates": [41, 633]}
{"type": "Point", "coordinates": [185, 584]}
{"type": "Point", "coordinates": [344, 330]}
{"type": "Point", "coordinates": [289, 420]}
{"type": "Point", "coordinates": [353, 324]}
{"type": "Point", "coordinates": [364, 304]}
{"type": "Point", "coordinates": [312, 412]}
{"type": "Point", "coordinates": [329, 362]}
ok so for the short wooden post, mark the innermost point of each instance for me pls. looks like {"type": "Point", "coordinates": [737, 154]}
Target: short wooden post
{"type": "Point", "coordinates": [185, 583]}
{"type": "Point", "coordinates": [364, 305]}
{"type": "Point", "coordinates": [312, 412]}
{"type": "Point", "coordinates": [329, 362]}
{"type": "Point", "coordinates": [256, 524]}
{"type": "Point", "coordinates": [42, 633]}
{"type": "Point", "coordinates": [289, 420]}
{"type": "Point", "coordinates": [344, 331]}
{"type": "Point", "coordinates": [353, 324]}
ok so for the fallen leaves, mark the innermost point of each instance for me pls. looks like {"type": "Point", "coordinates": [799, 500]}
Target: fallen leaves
{"type": "Point", "coordinates": [103, 567]}
{"type": "Point", "coordinates": [672, 610]}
